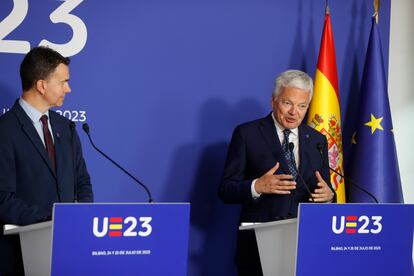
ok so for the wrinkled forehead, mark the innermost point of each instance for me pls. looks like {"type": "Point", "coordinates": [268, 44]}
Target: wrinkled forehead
{"type": "Point", "coordinates": [294, 94]}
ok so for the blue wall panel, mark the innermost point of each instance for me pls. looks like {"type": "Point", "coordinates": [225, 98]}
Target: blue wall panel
{"type": "Point", "coordinates": [163, 84]}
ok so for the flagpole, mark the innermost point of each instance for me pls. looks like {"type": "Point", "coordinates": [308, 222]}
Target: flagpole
{"type": "Point", "coordinates": [376, 10]}
{"type": "Point", "coordinates": [326, 8]}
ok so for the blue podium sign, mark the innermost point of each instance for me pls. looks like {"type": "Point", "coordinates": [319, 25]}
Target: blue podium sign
{"type": "Point", "coordinates": [355, 239]}
{"type": "Point", "coordinates": [120, 239]}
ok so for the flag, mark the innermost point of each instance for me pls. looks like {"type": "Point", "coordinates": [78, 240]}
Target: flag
{"type": "Point", "coordinates": [373, 163]}
{"type": "Point", "coordinates": [324, 113]}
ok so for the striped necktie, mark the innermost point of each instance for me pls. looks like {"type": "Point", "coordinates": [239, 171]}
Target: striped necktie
{"type": "Point", "coordinates": [290, 158]}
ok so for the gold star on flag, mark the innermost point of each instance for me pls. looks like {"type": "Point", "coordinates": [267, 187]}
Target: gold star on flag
{"type": "Point", "coordinates": [375, 123]}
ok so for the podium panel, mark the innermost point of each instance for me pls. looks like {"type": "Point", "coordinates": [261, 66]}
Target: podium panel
{"type": "Point", "coordinates": [120, 239]}
{"type": "Point", "coordinates": [355, 239]}
{"type": "Point", "coordinates": [339, 239]}
{"type": "Point", "coordinates": [107, 239]}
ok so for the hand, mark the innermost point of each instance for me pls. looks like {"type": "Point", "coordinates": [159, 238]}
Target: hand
{"type": "Point", "coordinates": [323, 193]}
{"type": "Point", "coordinates": [269, 183]}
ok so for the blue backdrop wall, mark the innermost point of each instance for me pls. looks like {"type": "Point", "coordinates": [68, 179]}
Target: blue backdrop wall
{"type": "Point", "coordinates": [163, 83]}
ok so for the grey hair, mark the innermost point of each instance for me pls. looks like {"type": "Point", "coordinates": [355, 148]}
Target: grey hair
{"type": "Point", "coordinates": [293, 79]}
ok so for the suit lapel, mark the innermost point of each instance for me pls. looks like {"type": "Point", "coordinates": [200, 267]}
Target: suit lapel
{"type": "Point", "coordinates": [31, 133]}
{"type": "Point", "coordinates": [268, 130]}
{"type": "Point", "coordinates": [304, 144]}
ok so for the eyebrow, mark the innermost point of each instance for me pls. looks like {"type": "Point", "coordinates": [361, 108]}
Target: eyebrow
{"type": "Point", "coordinates": [286, 100]}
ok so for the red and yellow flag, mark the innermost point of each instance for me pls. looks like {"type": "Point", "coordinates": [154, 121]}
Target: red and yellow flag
{"type": "Point", "coordinates": [324, 112]}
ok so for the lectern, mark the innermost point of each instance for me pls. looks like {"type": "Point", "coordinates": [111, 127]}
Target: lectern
{"type": "Point", "coordinates": [36, 243]}
{"type": "Point", "coordinates": [277, 245]}
{"type": "Point", "coordinates": [339, 239]}
{"type": "Point", "coordinates": [107, 239]}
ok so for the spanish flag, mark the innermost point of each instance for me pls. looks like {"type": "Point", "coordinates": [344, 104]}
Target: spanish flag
{"type": "Point", "coordinates": [324, 112]}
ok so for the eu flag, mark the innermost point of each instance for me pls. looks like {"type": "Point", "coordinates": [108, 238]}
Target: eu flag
{"type": "Point", "coordinates": [374, 164]}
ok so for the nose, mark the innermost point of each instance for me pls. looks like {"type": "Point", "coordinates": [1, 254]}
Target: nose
{"type": "Point", "coordinates": [293, 109]}
{"type": "Point", "coordinates": [68, 89]}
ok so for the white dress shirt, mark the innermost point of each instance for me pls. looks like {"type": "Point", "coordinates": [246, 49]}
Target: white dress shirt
{"type": "Point", "coordinates": [34, 116]}
{"type": "Point", "coordinates": [293, 138]}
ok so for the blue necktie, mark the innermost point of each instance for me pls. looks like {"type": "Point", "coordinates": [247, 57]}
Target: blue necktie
{"type": "Point", "coordinates": [290, 158]}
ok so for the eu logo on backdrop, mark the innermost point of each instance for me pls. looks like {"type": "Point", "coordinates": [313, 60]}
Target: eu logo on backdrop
{"type": "Point", "coordinates": [122, 227]}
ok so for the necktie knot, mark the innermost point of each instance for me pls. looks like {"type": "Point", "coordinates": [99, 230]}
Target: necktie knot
{"type": "Point", "coordinates": [286, 133]}
{"type": "Point", "coordinates": [44, 119]}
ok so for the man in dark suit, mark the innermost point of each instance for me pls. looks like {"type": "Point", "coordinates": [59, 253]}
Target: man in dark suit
{"type": "Point", "coordinates": [41, 158]}
{"type": "Point", "coordinates": [269, 160]}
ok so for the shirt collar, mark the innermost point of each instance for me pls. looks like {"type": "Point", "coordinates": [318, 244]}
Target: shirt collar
{"type": "Point", "coordinates": [31, 111]}
{"type": "Point", "coordinates": [280, 128]}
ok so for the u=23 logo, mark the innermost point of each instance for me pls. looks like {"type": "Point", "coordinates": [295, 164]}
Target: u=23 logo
{"type": "Point", "coordinates": [357, 225]}
{"type": "Point", "coordinates": [122, 227]}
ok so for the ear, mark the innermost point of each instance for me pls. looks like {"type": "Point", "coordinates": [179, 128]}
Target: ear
{"type": "Point", "coordinates": [41, 86]}
{"type": "Point", "coordinates": [273, 101]}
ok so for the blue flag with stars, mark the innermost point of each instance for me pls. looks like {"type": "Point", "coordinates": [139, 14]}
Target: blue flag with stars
{"type": "Point", "coordinates": [374, 164]}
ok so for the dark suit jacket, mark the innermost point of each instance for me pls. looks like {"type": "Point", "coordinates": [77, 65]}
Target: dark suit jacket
{"type": "Point", "coordinates": [28, 185]}
{"type": "Point", "coordinates": [254, 149]}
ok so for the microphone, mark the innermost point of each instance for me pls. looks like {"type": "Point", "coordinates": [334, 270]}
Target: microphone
{"type": "Point", "coordinates": [72, 127]}
{"type": "Point", "coordinates": [291, 147]}
{"type": "Point", "coordinates": [85, 128]}
{"type": "Point", "coordinates": [319, 147]}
